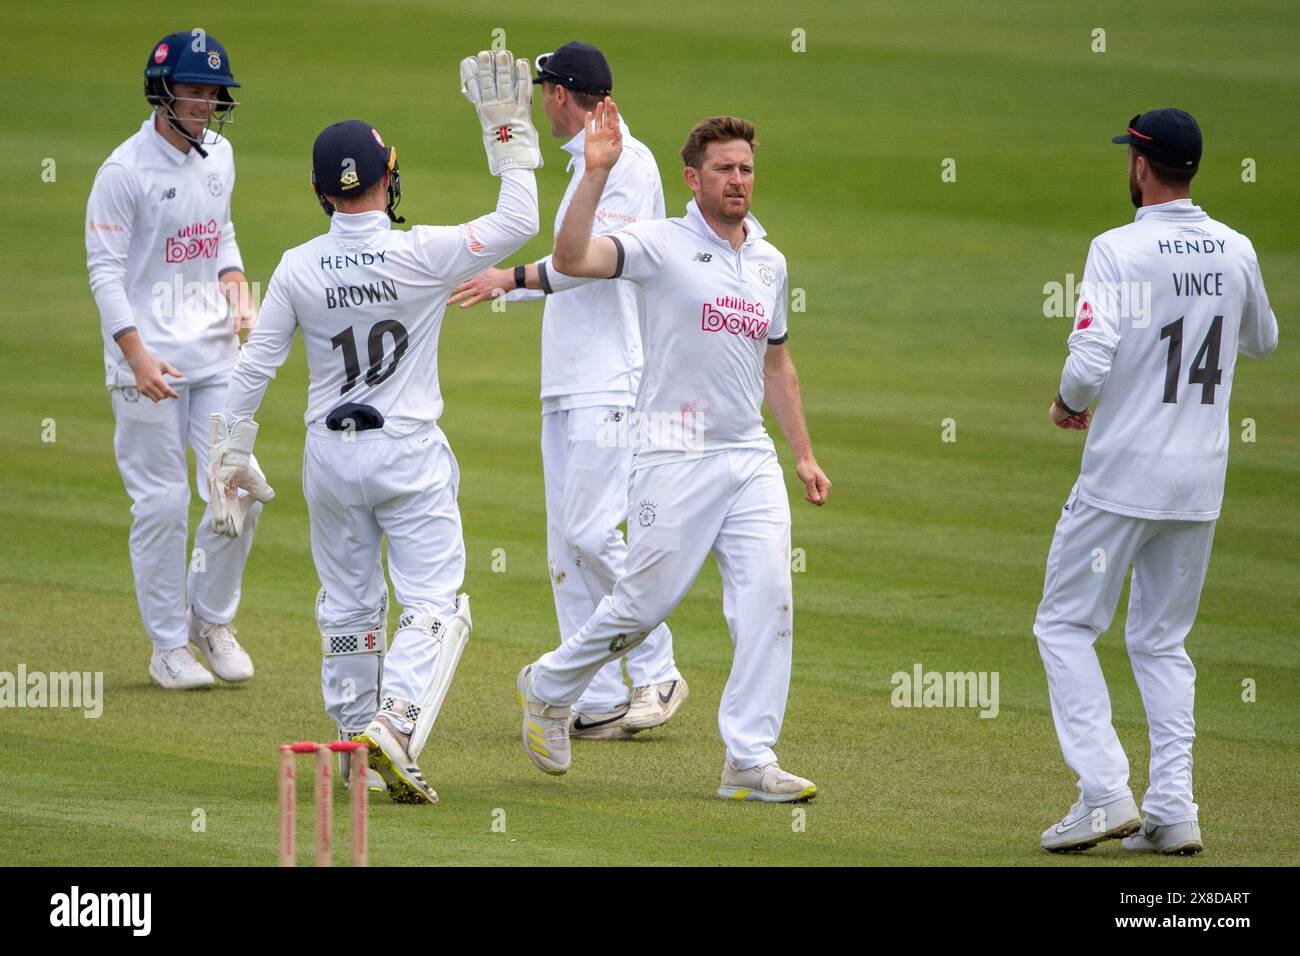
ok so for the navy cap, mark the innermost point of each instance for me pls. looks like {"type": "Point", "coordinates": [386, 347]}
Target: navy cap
{"type": "Point", "coordinates": [1168, 136]}
{"type": "Point", "coordinates": [578, 66]}
{"type": "Point", "coordinates": [349, 158]}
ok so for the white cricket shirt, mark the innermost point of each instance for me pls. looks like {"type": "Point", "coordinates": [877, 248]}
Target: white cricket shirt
{"type": "Point", "coordinates": [370, 300]}
{"type": "Point", "coordinates": [158, 235]}
{"type": "Point", "coordinates": [591, 331]}
{"type": "Point", "coordinates": [710, 313]}
{"type": "Point", "coordinates": [1158, 443]}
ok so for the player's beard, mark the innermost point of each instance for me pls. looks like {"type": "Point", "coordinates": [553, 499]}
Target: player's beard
{"type": "Point", "coordinates": [725, 211]}
{"type": "Point", "coordinates": [1134, 190]}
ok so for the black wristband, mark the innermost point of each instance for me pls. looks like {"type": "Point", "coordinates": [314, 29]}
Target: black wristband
{"type": "Point", "coordinates": [521, 276]}
{"type": "Point", "coordinates": [1060, 401]}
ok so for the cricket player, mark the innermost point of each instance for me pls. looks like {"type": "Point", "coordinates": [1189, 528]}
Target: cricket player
{"type": "Point", "coordinates": [370, 302]}
{"type": "Point", "coordinates": [1151, 484]}
{"type": "Point", "coordinates": [705, 477]}
{"type": "Point", "coordinates": [169, 284]}
{"type": "Point", "coordinates": [591, 368]}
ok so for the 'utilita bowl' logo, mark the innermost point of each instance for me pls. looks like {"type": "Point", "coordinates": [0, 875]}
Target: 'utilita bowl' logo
{"type": "Point", "coordinates": [199, 240]}
{"type": "Point", "coordinates": [737, 316]}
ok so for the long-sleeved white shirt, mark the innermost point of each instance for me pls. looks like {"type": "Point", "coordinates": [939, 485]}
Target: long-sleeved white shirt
{"type": "Point", "coordinates": [370, 300]}
{"type": "Point", "coordinates": [158, 236]}
{"type": "Point", "coordinates": [1168, 301]}
{"type": "Point", "coordinates": [591, 330]}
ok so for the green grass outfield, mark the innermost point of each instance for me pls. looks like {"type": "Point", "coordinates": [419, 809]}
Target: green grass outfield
{"type": "Point", "coordinates": [924, 302]}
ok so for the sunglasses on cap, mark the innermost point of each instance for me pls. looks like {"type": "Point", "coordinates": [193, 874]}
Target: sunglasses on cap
{"type": "Point", "coordinates": [540, 62]}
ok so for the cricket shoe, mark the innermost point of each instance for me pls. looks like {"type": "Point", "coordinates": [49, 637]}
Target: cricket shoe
{"type": "Point", "coordinates": [654, 704]}
{"type": "Point", "coordinates": [545, 729]}
{"type": "Point", "coordinates": [387, 738]}
{"type": "Point", "coordinates": [767, 782]}
{"type": "Point", "coordinates": [178, 669]}
{"type": "Point", "coordinates": [374, 782]}
{"type": "Point", "coordinates": [1086, 826]}
{"type": "Point", "coordinates": [597, 725]}
{"type": "Point", "coordinates": [217, 643]}
{"type": "Point", "coordinates": [1173, 839]}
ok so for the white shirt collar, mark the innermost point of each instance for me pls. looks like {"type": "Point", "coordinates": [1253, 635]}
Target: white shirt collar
{"type": "Point", "coordinates": [753, 228]}
{"type": "Point", "coordinates": [1174, 209]}
{"type": "Point", "coordinates": [161, 144]}
{"type": "Point", "coordinates": [359, 225]}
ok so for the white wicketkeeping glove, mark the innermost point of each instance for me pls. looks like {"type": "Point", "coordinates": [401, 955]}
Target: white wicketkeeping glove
{"type": "Point", "coordinates": [501, 89]}
{"type": "Point", "coordinates": [232, 469]}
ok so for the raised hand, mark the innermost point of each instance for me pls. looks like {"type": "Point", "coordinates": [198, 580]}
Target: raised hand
{"type": "Point", "coordinates": [501, 89]}
{"type": "Point", "coordinates": [604, 140]}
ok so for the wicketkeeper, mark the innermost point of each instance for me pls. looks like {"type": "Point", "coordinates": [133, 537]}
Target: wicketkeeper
{"type": "Point", "coordinates": [369, 301]}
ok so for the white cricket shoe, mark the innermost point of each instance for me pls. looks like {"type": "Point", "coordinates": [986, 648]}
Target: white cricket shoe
{"type": "Point", "coordinates": [599, 725]}
{"type": "Point", "coordinates": [374, 782]}
{"type": "Point", "coordinates": [388, 736]}
{"type": "Point", "coordinates": [767, 782]}
{"type": "Point", "coordinates": [654, 704]}
{"type": "Point", "coordinates": [217, 643]}
{"type": "Point", "coordinates": [1086, 826]}
{"type": "Point", "coordinates": [1173, 839]}
{"type": "Point", "coordinates": [178, 669]}
{"type": "Point", "coordinates": [545, 728]}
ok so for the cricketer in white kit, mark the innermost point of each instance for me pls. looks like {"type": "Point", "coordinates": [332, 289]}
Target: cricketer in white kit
{"type": "Point", "coordinates": [705, 478]}
{"type": "Point", "coordinates": [591, 368]}
{"type": "Point", "coordinates": [1167, 303]}
{"type": "Point", "coordinates": [370, 301]}
{"type": "Point", "coordinates": [169, 285]}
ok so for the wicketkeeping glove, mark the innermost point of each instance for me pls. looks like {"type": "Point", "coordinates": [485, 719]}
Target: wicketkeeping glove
{"type": "Point", "coordinates": [501, 89]}
{"type": "Point", "coordinates": [231, 469]}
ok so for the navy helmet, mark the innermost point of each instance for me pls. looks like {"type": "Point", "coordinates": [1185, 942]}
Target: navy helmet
{"type": "Point", "coordinates": [190, 56]}
{"type": "Point", "coordinates": [350, 157]}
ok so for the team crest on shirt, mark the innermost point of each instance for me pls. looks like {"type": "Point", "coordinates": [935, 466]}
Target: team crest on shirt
{"type": "Point", "coordinates": [767, 274]}
{"type": "Point", "coordinates": [214, 60]}
{"type": "Point", "coordinates": [1085, 315]}
{"type": "Point", "coordinates": [645, 516]}
{"type": "Point", "coordinates": [214, 184]}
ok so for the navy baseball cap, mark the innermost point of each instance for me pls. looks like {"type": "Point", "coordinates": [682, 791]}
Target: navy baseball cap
{"type": "Point", "coordinates": [350, 157]}
{"type": "Point", "coordinates": [1168, 136]}
{"type": "Point", "coordinates": [576, 65]}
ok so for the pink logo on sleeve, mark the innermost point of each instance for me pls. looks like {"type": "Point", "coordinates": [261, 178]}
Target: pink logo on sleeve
{"type": "Point", "coordinates": [1085, 316]}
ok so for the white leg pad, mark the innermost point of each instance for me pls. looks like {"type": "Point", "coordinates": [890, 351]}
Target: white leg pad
{"type": "Point", "coordinates": [453, 633]}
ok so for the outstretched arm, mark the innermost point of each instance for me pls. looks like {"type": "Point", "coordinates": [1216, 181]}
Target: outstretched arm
{"type": "Point", "coordinates": [781, 390]}
{"type": "Point", "coordinates": [576, 252]}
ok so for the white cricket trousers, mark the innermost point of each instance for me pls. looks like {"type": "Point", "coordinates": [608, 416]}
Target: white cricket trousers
{"type": "Point", "coordinates": [734, 505]}
{"type": "Point", "coordinates": [586, 500]}
{"type": "Point", "coordinates": [1090, 555]}
{"type": "Point", "coordinates": [361, 486]}
{"type": "Point", "coordinates": [149, 440]}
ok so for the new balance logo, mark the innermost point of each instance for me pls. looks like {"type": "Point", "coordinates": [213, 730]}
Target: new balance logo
{"type": "Point", "coordinates": [504, 135]}
{"type": "Point", "coordinates": [168, 193]}
{"type": "Point", "coordinates": [702, 257]}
